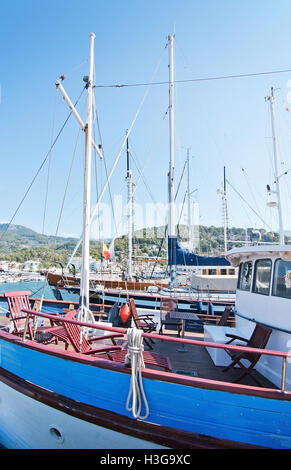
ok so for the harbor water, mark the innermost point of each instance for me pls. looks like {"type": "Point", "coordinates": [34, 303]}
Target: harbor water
{"type": "Point", "coordinates": [38, 289]}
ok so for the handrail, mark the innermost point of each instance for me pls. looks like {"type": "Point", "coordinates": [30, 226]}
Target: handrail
{"type": "Point", "coordinates": [273, 327]}
{"type": "Point", "coordinates": [164, 337]}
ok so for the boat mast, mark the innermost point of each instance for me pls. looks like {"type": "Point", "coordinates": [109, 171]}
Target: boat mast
{"type": "Point", "coordinates": [225, 215]}
{"type": "Point", "coordinates": [275, 148]}
{"type": "Point", "coordinates": [172, 238]}
{"type": "Point", "coordinates": [84, 312]}
{"type": "Point", "coordinates": [130, 209]}
{"type": "Point", "coordinates": [189, 202]}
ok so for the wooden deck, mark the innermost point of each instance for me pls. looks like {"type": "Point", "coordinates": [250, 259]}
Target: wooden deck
{"type": "Point", "coordinates": [196, 361]}
{"type": "Point", "coordinates": [187, 359]}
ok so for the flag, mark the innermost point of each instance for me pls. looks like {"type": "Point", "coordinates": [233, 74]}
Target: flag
{"type": "Point", "coordinates": [106, 252]}
{"type": "Point", "coordinates": [285, 106]}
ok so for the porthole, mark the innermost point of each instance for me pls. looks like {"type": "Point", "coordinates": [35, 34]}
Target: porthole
{"type": "Point", "coordinates": [56, 433]}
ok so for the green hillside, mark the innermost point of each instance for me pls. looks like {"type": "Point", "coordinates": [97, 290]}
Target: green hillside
{"type": "Point", "coordinates": [18, 243]}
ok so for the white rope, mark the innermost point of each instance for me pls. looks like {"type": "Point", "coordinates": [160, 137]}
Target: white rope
{"type": "Point", "coordinates": [136, 392]}
{"type": "Point", "coordinates": [86, 316]}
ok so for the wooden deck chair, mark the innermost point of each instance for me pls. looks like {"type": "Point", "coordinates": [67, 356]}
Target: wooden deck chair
{"type": "Point", "coordinates": [149, 357]}
{"type": "Point", "coordinates": [143, 322]}
{"type": "Point", "coordinates": [225, 316]}
{"type": "Point", "coordinates": [168, 306]}
{"type": "Point", "coordinates": [19, 300]}
{"type": "Point", "coordinates": [258, 339]}
{"type": "Point", "coordinates": [58, 329]}
{"type": "Point", "coordinates": [84, 346]}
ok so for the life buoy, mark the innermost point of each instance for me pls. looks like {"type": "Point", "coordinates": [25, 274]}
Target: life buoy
{"type": "Point", "coordinates": [124, 313]}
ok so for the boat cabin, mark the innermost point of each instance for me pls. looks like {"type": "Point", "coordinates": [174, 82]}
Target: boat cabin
{"type": "Point", "coordinates": [263, 296]}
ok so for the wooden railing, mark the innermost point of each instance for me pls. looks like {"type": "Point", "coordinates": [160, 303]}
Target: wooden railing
{"type": "Point", "coordinates": [284, 355]}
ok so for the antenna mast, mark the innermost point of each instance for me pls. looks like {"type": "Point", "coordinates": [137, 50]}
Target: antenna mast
{"type": "Point", "coordinates": [189, 203]}
{"type": "Point", "coordinates": [130, 210]}
{"type": "Point", "coordinates": [275, 148]}
{"type": "Point", "coordinates": [172, 238]}
{"type": "Point", "coordinates": [225, 213]}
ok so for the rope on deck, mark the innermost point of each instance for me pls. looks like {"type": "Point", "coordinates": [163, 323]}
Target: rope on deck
{"type": "Point", "coordinates": [136, 392]}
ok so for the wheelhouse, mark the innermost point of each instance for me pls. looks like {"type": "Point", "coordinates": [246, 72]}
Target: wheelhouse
{"type": "Point", "coordinates": [263, 296]}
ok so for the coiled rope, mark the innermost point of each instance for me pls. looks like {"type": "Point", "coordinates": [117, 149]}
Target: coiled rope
{"type": "Point", "coordinates": [136, 392]}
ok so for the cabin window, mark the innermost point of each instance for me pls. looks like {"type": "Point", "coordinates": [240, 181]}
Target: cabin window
{"type": "Point", "coordinates": [262, 276]}
{"type": "Point", "coordinates": [245, 276]}
{"type": "Point", "coordinates": [282, 279]}
{"type": "Point", "coordinates": [212, 272]}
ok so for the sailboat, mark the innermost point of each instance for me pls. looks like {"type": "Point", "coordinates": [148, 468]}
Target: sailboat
{"type": "Point", "coordinates": [74, 395]}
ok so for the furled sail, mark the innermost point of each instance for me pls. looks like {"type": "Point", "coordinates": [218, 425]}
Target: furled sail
{"type": "Point", "coordinates": [178, 256]}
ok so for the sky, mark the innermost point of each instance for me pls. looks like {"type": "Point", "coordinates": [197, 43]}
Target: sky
{"type": "Point", "coordinates": [223, 122]}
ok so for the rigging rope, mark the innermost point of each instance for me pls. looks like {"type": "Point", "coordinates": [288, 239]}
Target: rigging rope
{"type": "Point", "coordinates": [136, 392]}
{"type": "Point", "coordinates": [264, 222]}
{"type": "Point", "coordinates": [115, 162]}
{"type": "Point", "coordinates": [222, 77]}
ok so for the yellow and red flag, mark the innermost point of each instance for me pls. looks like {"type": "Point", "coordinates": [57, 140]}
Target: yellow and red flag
{"type": "Point", "coordinates": [106, 252]}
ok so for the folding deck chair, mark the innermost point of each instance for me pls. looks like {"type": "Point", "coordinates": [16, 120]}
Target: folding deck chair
{"type": "Point", "coordinates": [149, 357]}
{"type": "Point", "coordinates": [19, 300]}
{"type": "Point", "coordinates": [115, 352]}
{"type": "Point", "coordinates": [84, 346]}
{"type": "Point", "coordinates": [259, 340]}
{"type": "Point", "coordinates": [225, 316]}
{"type": "Point", "coordinates": [143, 322]}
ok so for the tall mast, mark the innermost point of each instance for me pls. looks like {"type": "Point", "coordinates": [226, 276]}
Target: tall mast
{"type": "Point", "coordinates": [130, 209]}
{"type": "Point", "coordinates": [222, 191]}
{"type": "Point", "coordinates": [275, 148]}
{"type": "Point", "coordinates": [171, 222]}
{"type": "Point", "coordinates": [225, 215]}
{"type": "Point", "coordinates": [189, 202]}
{"type": "Point", "coordinates": [84, 312]}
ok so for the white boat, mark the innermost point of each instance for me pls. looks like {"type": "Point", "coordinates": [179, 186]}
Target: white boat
{"type": "Point", "coordinates": [264, 296]}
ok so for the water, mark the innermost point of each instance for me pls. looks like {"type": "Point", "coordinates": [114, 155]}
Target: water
{"type": "Point", "coordinates": [35, 287]}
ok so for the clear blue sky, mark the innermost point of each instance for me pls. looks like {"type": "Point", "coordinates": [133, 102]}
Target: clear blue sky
{"type": "Point", "coordinates": [223, 122]}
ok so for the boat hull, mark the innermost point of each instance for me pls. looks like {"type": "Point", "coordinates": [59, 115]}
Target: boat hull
{"type": "Point", "coordinates": [40, 423]}
{"type": "Point", "coordinates": [152, 301]}
{"type": "Point", "coordinates": [58, 390]}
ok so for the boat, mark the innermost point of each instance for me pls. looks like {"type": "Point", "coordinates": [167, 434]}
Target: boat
{"type": "Point", "coordinates": [62, 399]}
{"type": "Point", "coordinates": [68, 395]}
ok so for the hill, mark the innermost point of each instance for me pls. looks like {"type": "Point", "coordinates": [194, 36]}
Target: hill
{"type": "Point", "coordinates": [18, 236]}
{"type": "Point", "coordinates": [19, 243]}
{"type": "Point", "coordinates": [153, 241]}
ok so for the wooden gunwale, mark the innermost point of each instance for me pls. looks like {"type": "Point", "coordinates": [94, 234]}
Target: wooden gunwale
{"type": "Point", "coordinates": [152, 373]}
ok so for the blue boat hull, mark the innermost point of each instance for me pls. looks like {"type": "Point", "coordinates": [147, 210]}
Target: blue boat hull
{"type": "Point", "coordinates": [191, 413]}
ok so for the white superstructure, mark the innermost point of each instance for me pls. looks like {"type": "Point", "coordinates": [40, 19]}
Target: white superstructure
{"type": "Point", "coordinates": [264, 296]}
